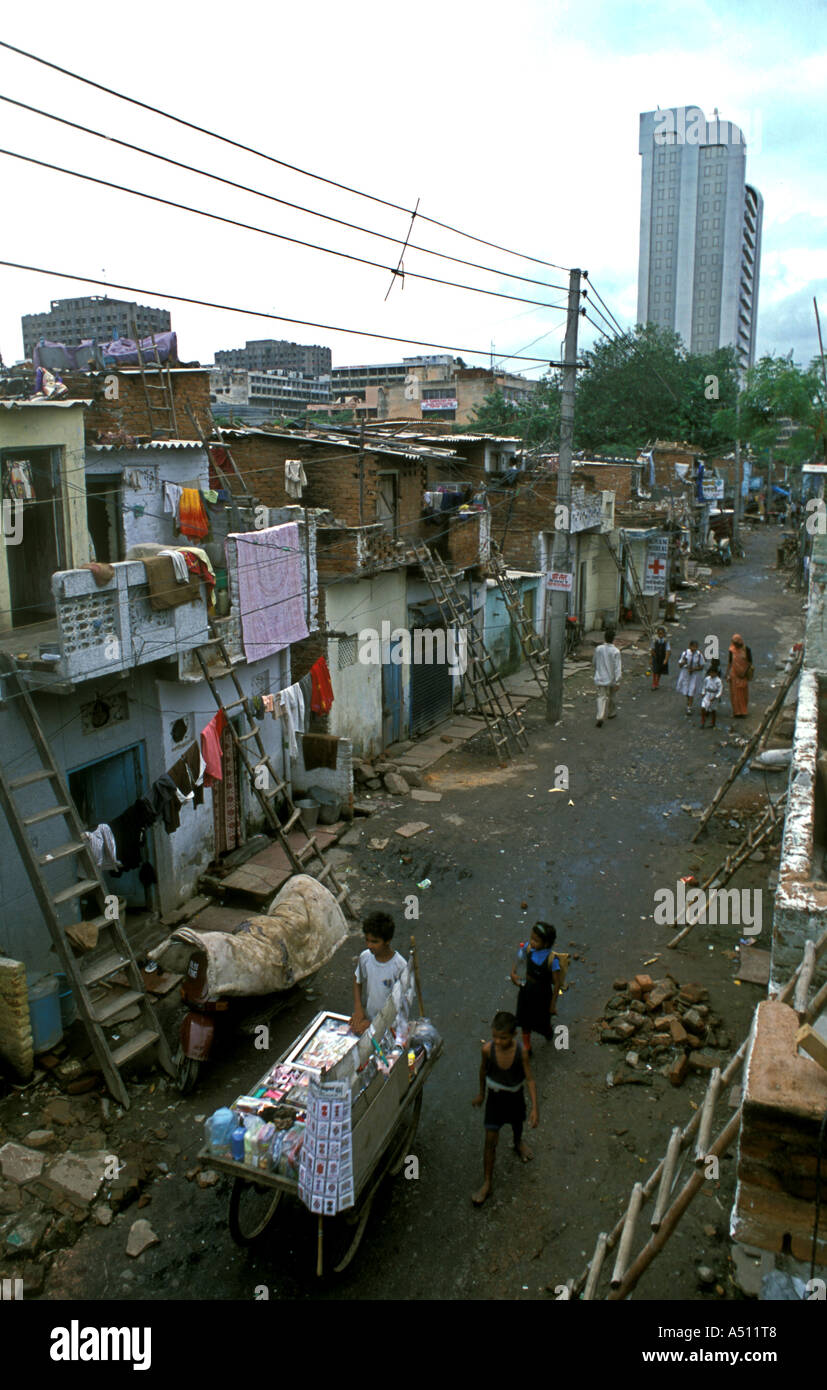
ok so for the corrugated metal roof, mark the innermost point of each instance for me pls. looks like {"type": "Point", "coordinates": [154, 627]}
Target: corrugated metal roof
{"type": "Point", "coordinates": [40, 402]}
{"type": "Point", "coordinates": [372, 444]}
{"type": "Point", "coordinates": [154, 444]}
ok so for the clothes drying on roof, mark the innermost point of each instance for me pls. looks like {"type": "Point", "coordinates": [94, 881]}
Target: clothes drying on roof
{"type": "Point", "coordinates": [179, 564]}
{"type": "Point", "coordinates": [164, 588]}
{"type": "Point", "coordinates": [192, 518]}
{"type": "Point", "coordinates": [102, 847]}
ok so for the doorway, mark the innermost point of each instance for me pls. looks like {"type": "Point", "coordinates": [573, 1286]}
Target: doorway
{"type": "Point", "coordinates": [102, 790]}
{"type": "Point", "coordinates": [41, 550]}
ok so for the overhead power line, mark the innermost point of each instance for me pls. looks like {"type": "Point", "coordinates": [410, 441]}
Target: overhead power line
{"type": "Point", "coordinates": [271, 197]}
{"type": "Point", "coordinates": [260, 154]}
{"type": "Point", "coordinates": [265, 231]}
{"type": "Point", "coordinates": [259, 313]}
{"type": "Point", "coordinates": [603, 302]}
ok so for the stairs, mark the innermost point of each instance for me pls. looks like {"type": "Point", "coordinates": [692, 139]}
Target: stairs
{"type": "Point", "coordinates": [97, 1001]}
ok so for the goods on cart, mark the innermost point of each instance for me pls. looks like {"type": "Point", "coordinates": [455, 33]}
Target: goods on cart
{"type": "Point", "coordinates": [299, 1121]}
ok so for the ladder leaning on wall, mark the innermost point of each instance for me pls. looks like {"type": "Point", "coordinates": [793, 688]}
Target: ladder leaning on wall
{"type": "Point", "coordinates": [98, 998]}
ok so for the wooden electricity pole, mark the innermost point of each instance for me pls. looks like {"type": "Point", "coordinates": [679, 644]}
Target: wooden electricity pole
{"type": "Point", "coordinates": [561, 548]}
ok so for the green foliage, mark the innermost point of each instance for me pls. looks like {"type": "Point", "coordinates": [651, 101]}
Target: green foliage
{"type": "Point", "coordinates": [776, 393]}
{"type": "Point", "coordinates": [536, 421]}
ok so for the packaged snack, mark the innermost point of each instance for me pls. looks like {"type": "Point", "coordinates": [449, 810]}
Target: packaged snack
{"type": "Point", "coordinates": [291, 1152]}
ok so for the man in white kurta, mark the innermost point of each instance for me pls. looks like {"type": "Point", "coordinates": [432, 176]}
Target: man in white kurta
{"type": "Point", "coordinates": [607, 672]}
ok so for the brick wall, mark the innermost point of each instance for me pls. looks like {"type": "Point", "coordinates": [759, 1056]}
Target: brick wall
{"type": "Point", "coordinates": [461, 545]}
{"type": "Point", "coordinates": [530, 512]}
{"type": "Point", "coordinates": [126, 412]}
{"type": "Point", "coordinates": [616, 478]}
{"type": "Point", "coordinates": [16, 1046]}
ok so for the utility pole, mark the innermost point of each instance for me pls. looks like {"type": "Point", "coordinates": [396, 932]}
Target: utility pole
{"type": "Point", "coordinates": [737, 500]}
{"type": "Point", "coordinates": [557, 600]}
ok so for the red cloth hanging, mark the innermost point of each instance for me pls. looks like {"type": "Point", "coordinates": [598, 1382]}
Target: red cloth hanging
{"type": "Point", "coordinates": [211, 749]}
{"type": "Point", "coordinates": [322, 695]}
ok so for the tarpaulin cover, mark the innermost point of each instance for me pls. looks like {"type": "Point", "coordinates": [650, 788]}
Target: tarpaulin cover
{"type": "Point", "coordinates": [121, 352]}
{"type": "Point", "coordinates": [301, 932]}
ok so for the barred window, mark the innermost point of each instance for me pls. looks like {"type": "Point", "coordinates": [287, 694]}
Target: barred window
{"type": "Point", "coordinates": [348, 651]}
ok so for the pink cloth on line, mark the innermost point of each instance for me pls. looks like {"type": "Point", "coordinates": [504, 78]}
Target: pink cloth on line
{"type": "Point", "coordinates": [270, 584]}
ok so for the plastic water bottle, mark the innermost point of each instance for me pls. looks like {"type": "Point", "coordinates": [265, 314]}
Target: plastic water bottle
{"type": "Point", "coordinates": [237, 1141]}
{"type": "Point", "coordinates": [218, 1129]}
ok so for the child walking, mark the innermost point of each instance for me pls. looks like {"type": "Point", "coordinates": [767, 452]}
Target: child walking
{"type": "Point", "coordinates": [538, 993]}
{"type": "Point", "coordinates": [710, 695]}
{"type": "Point", "coordinates": [688, 683]}
{"type": "Point", "coordinates": [659, 653]}
{"type": "Point", "coordinates": [504, 1069]}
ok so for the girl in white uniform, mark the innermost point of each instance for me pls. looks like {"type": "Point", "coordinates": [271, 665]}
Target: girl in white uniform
{"type": "Point", "coordinates": [710, 695]}
{"type": "Point", "coordinates": [691, 665]}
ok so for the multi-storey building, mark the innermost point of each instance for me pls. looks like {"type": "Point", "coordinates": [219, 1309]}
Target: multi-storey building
{"type": "Point", "coordinates": [271, 354]}
{"type": "Point", "coordinates": [700, 231]}
{"type": "Point", "coordinates": [71, 321]}
{"type": "Point", "coordinates": [424, 388]}
{"type": "Point", "coordinates": [259, 396]}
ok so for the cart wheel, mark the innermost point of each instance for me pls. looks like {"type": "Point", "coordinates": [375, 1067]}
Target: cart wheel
{"type": "Point", "coordinates": [405, 1144]}
{"type": "Point", "coordinates": [252, 1207]}
{"type": "Point", "coordinates": [361, 1224]}
{"type": "Point", "coordinates": [186, 1072]}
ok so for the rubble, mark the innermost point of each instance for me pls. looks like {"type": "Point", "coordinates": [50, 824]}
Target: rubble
{"type": "Point", "coordinates": [663, 1016]}
{"type": "Point", "coordinates": [141, 1236]}
{"type": "Point", "coordinates": [20, 1164]}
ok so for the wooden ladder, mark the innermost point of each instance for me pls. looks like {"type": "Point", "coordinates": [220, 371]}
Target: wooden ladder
{"type": "Point", "coordinates": [113, 953]}
{"type": "Point", "coordinates": [277, 789]}
{"type": "Point", "coordinates": [639, 597]}
{"type": "Point", "coordinates": [161, 410]}
{"type": "Point", "coordinates": [532, 648]}
{"type": "Point", "coordinates": [491, 699]}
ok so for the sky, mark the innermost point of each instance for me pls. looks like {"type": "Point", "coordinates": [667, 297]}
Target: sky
{"type": "Point", "coordinates": [517, 124]}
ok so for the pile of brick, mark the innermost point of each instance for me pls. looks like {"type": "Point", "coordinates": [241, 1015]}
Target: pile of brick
{"type": "Point", "coordinates": [665, 1023]}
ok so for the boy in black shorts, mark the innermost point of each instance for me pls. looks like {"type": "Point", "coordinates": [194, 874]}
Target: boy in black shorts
{"type": "Point", "coordinates": [504, 1068]}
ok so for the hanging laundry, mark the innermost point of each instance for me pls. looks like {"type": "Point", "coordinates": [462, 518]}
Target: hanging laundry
{"type": "Point", "coordinates": [163, 797]}
{"type": "Point", "coordinates": [102, 847]}
{"type": "Point", "coordinates": [270, 585]}
{"type": "Point", "coordinates": [188, 775]}
{"type": "Point", "coordinates": [269, 703]}
{"type": "Point", "coordinates": [306, 687]}
{"type": "Point", "coordinates": [129, 830]}
{"type": "Point", "coordinates": [17, 481]}
{"type": "Point", "coordinates": [295, 477]}
{"type": "Point", "coordinates": [211, 749]}
{"type": "Point", "coordinates": [179, 564]}
{"type": "Point", "coordinates": [164, 589]}
{"type": "Point", "coordinates": [292, 703]}
{"type": "Point", "coordinates": [322, 697]}
{"type": "Point", "coordinates": [172, 500]}
{"type": "Point", "coordinates": [192, 518]}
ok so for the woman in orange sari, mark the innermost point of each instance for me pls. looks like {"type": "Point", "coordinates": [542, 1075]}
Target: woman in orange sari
{"type": "Point", "coordinates": [740, 662]}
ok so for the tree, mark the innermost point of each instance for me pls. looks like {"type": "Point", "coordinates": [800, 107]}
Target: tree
{"type": "Point", "coordinates": [536, 420]}
{"type": "Point", "coordinates": [777, 393]}
{"type": "Point", "coordinates": [645, 386]}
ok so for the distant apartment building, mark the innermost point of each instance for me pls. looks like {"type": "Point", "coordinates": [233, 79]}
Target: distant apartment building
{"type": "Point", "coordinates": [262, 395]}
{"type": "Point", "coordinates": [72, 321]}
{"type": "Point", "coordinates": [700, 231]}
{"type": "Point", "coordinates": [276, 354]}
{"type": "Point", "coordinates": [422, 388]}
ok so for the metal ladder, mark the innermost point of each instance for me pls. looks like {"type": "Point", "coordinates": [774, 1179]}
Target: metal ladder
{"type": "Point", "coordinates": [114, 953]}
{"type": "Point", "coordinates": [278, 788]}
{"type": "Point", "coordinates": [491, 699]}
{"type": "Point", "coordinates": [640, 600]}
{"type": "Point", "coordinates": [533, 650]}
{"type": "Point", "coordinates": [166, 427]}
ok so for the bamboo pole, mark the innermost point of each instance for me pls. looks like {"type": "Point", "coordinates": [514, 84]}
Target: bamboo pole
{"type": "Point", "coordinates": [595, 1267]}
{"type": "Point", "coordinates": [816, 1005]}
{"type": "Point", "coordinates": [632, 1213]}
{"type": "Point", "coordinates": [802, 984]}
{"type": "Point", "coordinates": [732, 1066]}
{"type": "Point", "coordinates": [319, 1248]}
{"type": "Point", "coordinates": [667, 1177]}
{"type": "Point", "coordinates": [707, 1114]}
{"type": "Point", "coordinates": [764, 830]}
{"type": "Point", "coordinates": [691, 1187]}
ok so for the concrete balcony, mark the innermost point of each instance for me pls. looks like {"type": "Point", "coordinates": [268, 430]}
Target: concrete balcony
{"type": "Point", "coordinates": [100, 631]}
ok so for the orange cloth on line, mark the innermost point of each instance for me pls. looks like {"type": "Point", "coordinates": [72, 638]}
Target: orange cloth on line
{"type": "Point", "coordinates": [192, 518]}
{"type": "Point", "coordinates": [322, 696]}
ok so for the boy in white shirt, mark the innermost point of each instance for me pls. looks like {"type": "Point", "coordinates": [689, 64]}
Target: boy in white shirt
{"type": "Point", "coordinates": [377, 970]}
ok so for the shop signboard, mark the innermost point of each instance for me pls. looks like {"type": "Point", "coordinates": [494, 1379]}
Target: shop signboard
{"type": "Point", "coordinates": [560, 581]}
